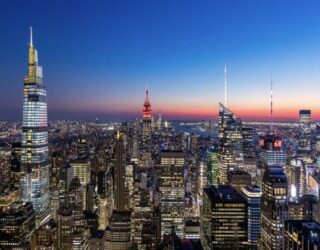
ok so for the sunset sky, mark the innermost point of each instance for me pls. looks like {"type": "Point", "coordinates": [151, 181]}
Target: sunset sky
{"type": "Point", "coordinates": [98, 56]}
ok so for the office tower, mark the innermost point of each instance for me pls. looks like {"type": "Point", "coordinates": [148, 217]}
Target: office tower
{"type": "Point", "coordinates": [295, 210]}
{"type": "Point", "coordinates": [34, 157]}
{"type": "Point", "coordinates": [75, 201]}
{"type": "Point", "coordinates": [45, 237]}
{"type": "Point", "coordinates": [231, 143]}
{"type": "Point", "coordinates": [305, 133]}
{"type": "Point", "coordinates": [296, 179]}
{"type": "Point", "coordinates": [270, 154]}
{"type": "Point", "coordinates": [65, 178]}
{"type": "Point", "coordinates": [172, 192]}
{"type": "Point", "coordinates": [274, 209]}
{"type": "Point", "coordinates": [141, 215]}
{"type": "Point", "coordinates": [82, 147]}
{"type": "Point", "coordinates": [15, 173]}
{"type": "Point", "coordinates": [17, 223]}
{"type": "Point", "coordinates": [119, 231]}
{"type": "Point", "coordinates": [249, 152]}
{"type": "Point", "coordinates": [81, 169]}
{"type": "Point", "coordinates": [202, 180]}
{"type": "Point", "coordinates": [252, 194]}
{"type": "Point", "coordinates": [213, 167]}
{"type": "Point", "coordinates": [57, 162]}
{"type": "Point", "coordinates": [309, 202]}
{"type": "Point", "coordinates": [146, 124]}
{"type": "Point", "coordinates": [238, 178]}
{"type": "Point", "coordinates": [302, 234]}
{"type": "Point", "coordinates": [129, 184]}
{"type": "Point", "coordinates": [224, 219]}
{"type": "Point", "coordinates": [65, 228]}
{"type": "Point", "coordinates": [121, 199]}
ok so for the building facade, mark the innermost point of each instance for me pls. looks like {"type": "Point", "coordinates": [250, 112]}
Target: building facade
{"type": "Point", "coordinates": [34, 157]}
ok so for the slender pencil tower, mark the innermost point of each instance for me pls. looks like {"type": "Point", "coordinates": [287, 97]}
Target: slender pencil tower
{"type": "Point", "coordinates": [34, 158]}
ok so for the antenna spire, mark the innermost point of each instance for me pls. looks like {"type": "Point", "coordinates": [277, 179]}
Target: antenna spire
{"type": "Point", "coordinates": [271, 101]}
{"type": "Point", "coordinates": [31, 37]}
{"type": "Point", "coordinates": [225, 85]}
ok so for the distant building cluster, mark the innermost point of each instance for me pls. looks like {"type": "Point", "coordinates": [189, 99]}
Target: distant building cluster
{"type": "Point", "coordinates": [153, 184]}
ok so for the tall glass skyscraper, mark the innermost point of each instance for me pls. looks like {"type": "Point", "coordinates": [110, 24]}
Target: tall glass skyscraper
{"type": "Point", "coordinates": [34, 157]}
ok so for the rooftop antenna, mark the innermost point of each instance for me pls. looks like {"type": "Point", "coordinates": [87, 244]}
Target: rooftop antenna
{"type": "Point", "coordinates": [31, 37]}
{"type": "Point", "coordinates": [271, 101]}
{"type": "Point", "coordinates": [225, 85]}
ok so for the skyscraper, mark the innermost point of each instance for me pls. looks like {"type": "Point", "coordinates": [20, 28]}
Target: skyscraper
{"type": "Point", "coordinates": [212, 163]}
{"type": "Point", "coordinates": [224, 219]}
{"type": "Point", "coordinates": [231, 143]}
{"type": "Point", "coordinates": [252, 194]}
{"type": "Point", "coordinates": [34, 157]}
{"type": "Point", "coordinates": [270, 154]}
{"type": "Point", "coordinates": [305, 135]}
{"type": "Point", "coordinates": [172, 193]}
{"type": "Point", "coordinates": [120, 195]}
{"type": "Point", "coordinates": [274, 209]}
{"type": "Point", "coordinates": [146, 123]}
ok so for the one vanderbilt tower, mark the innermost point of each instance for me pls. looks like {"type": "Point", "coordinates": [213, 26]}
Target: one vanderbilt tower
{"type": "Point", "coordinates": [34, 158]}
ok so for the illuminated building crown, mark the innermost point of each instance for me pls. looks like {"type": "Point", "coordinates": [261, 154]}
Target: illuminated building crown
{"type": "Point", "coordinates": [147, 111]}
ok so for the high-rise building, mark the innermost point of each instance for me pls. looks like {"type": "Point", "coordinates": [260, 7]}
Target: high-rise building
{"type": "Point", "coordinates": [81, 169]}
{"type": "Point", "coordinates": [75, 201]}
{"type": "Point", "coordinates": [231, 143]}
{"type": "Point", "coordinates": [146, 124]}
{"type": "Point", "coordinates": [238, 178]}
{"type": "Point", "coordinates": [119, 231]}
{"type": "Point", "coordinates": [65, 228]}
{"type": "Point", "coordinates": [34, 157]}
{"type": "Point", "coordinates": [213, 167]}
{"type": "Point", "coordinates": [296, 175]}
{"type": "Point", "coordinates": [305, 132]}
{"type": "Point", "coordinates": [121, 199]}
{"type": "Point", "coordinates": [249, 152]}
{"type": "Point", "coordinates": [224, 219]}
{"type": "Point", "coordinates": [17, 223]}
{"type": "Point", "coordinates": [274, 208]}
{"type": "Point", "coordinates": [65, 178]}
{"type": "Point", "coordinates": [141, 215]}
{"type": "Point", "coordinates": [302, 234]}
{"type": "Point", "coordinates": [172, 192]}
{"type": "Point", "coordinates": [270, 154]}
{"type": "Point", "coordinates": [45, 237]}
{"type": "Point", "coordinates": [252, 194]}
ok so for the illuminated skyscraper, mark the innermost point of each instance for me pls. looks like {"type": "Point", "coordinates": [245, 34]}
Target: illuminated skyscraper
{"type": "Point", "coordinates": [146, 123]}
{"type": "Point", "coordinates": [224, 219]}
{"type": "Point", "coordinates": [274, 208]}
{"type": "Point", "coordinates": [231, 143]}
{"type": "Point", "coordinates": [302, 234]}
{"type": "Point", "coordinates": [305, 135]}
{"type": "Point", "coordinates": [34, 158]}
{"type": "Point", "coordinates": [212, 163]}
{"type": "Point", "coordinates": [17, 223]}
{"type": "Point", "coordinates": [172, 193]}
{"type": "Point", "coordinates": [270, 154]}
{"type": "Point", "coordinates": [252, 194]}
{"type": "Point", "coordinates": [121, 200]}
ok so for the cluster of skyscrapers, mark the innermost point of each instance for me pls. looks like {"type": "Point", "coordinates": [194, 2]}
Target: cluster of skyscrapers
{"type": "Point", "coordinates": [148, 184]}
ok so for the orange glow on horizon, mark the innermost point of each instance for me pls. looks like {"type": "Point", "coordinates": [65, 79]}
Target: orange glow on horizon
{"type": "Point", "coordinates": [196, 112]}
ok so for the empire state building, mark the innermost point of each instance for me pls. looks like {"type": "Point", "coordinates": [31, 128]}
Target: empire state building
{"type": "Point", "coordinates": [34, 158]}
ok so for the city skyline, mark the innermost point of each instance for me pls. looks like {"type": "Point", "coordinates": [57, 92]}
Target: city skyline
{"type": "Point", "coordinates": [179, 50]}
